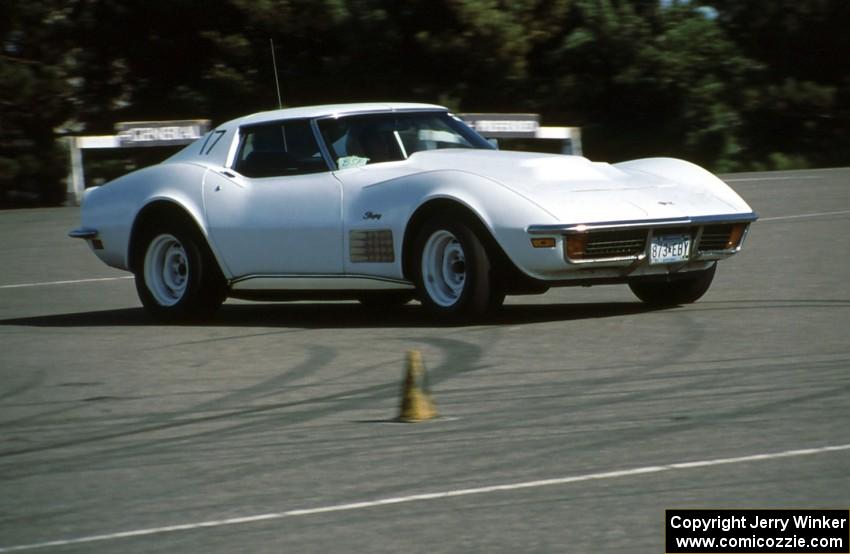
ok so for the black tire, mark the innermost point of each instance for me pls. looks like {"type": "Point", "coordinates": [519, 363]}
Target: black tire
{"type": "Point", "coordinates": [452, 270]}
{"type": "Point", "coordinates": [497, 298]}
{"type": "Point", "coordinates": [684, 290]}
{"type": "Point", "coordinates": [177, 278]}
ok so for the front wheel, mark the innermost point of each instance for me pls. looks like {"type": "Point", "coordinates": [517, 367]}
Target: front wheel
{"type": "Point", "coordinates": [685, 290]}
{"type": "Point", "coordinates": [453, 270]}
{"type": "Point", "coordinates": [176, 278]}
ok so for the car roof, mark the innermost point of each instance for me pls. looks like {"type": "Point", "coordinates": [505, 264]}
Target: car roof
{"type": "Point", "coordinates": [328, 110]}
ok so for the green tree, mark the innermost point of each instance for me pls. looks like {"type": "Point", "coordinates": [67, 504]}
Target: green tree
{"type": "Point", "coordinates": [798, 110]}
{"type": "Point", "coordinates": [644, 81]}
{"type": "Point", "coordinates": [764, 83]}
{"type": "Point", "coordinates": [158, 59]}
{"type": "Point", "coordinates": [33, 103]}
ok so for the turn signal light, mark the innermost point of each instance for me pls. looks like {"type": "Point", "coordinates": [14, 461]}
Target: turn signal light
{"type": "Point", "coordinates": [547, 242]}
{"type": "Point", "coordinates": [576, 246]}
{"type": "Point", "coordinates": [735, 236]}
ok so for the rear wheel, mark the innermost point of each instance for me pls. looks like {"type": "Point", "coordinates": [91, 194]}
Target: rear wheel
{"type": "Point", "coordinates": [176, 277]}
{"type": "Point", "coordinates": [681, 291]}
{"type": "Point", "coordinates": [452, 270]}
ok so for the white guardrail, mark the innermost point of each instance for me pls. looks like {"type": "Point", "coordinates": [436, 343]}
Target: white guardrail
{"type": "Point", "coordinates": [175, 133]}
{"type": "Point", "coordinates": [132, 134]}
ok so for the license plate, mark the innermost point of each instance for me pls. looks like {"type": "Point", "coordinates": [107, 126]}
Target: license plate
{"type": "Point", "coordinates": [669, 249]}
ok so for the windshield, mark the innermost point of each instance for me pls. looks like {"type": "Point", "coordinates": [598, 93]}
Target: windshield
{"type": "Point", "coordinates": [374, 138]}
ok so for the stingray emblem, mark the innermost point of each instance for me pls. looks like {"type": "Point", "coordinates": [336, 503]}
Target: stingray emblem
{"type": "Point", "coordinates": [371, 215]}
{"type": "Point", "coordinates": [666, 203]}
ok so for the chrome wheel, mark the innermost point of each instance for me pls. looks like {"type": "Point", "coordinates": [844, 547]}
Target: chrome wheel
{"type": "Point", "coordinates": [166, 270]}
{"type": "Point", "coordinates": [443, 268]}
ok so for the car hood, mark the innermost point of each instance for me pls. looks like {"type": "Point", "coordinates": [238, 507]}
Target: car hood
{"type": "Point", "coordinates": [575, 190]}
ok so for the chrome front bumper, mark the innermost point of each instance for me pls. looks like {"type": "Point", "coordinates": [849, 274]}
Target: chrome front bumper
{"type": "Point", "coordinates": [626, 243]}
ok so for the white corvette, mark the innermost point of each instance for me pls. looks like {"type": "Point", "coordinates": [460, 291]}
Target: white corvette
{"type": "Point", "coordinates": [387, 202]}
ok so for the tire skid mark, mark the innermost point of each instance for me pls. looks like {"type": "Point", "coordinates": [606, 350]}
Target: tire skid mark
{"type": "Point", "coordinates": [319, 357]}
{"type": "Point", "coordinates": [337, 401]}
{"type": "Point", "coordinates": [694, 331]}
{"type": "Point", "coordinates": [265, 415]}
{"type": "Point", "coordinates": [636, 436]}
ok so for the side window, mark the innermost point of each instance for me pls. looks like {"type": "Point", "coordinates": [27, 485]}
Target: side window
{"type": "Point", "coordinates": [211, 141]}
{"type": "Point", "coordinates": [279, 149]}
{"type": "Point", "coordinates": [356, 141]}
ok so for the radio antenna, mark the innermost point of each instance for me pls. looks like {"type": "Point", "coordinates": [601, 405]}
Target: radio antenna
{"type": "Point", "coordinates": [276, 80]}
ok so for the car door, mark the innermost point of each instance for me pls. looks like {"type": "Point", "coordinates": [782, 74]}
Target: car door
{"type": "Point", "coordinates": [277, 211]}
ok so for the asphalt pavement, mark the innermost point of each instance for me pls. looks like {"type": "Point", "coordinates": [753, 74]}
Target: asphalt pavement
{"type": "Point", "coordinates": [568, 423]}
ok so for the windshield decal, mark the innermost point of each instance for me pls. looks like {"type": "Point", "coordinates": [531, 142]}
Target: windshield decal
{"type": "Point", "coordinates": [351, 161]}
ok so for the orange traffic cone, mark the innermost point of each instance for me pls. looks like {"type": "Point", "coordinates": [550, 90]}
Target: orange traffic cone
{"type": "Point", "coordinates": [416, 403]}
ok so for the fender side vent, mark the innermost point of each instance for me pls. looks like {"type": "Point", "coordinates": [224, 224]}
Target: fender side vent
{"type": "Point", "coordinates": [372, 246]}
